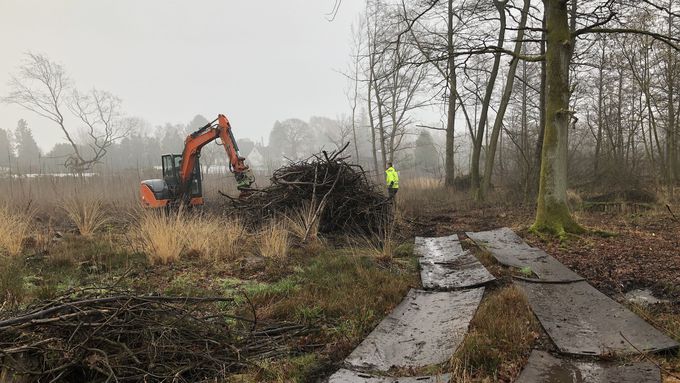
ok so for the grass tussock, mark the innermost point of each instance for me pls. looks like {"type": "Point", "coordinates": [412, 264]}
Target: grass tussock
{"type": "Point", "coordinates": [214, 238]}
{"type": "Point", "coordinates": [668, 321]}
{"type": "Point", "coordinates": [383, 245]}
{"type": "Point", "coordinates": [165, 237]}
{"type": "Point", "coordinates": [14, 227]}
{"type": "Point", "coordinates": [274, 240]}
{"type": "Point", "coordinates": [161, 236]}
{"type": "Point", "coordinates": [502, 334]}
{"type": "Point", "coordinates": [304, 223]}
{"type": "Point", "coordinates": [87, 214]}
{"type": "Point", "coordinates": [12, 289]}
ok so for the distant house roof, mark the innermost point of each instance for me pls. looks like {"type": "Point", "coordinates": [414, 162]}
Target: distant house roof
{"type": "Point", "coordinates": [255, 159]}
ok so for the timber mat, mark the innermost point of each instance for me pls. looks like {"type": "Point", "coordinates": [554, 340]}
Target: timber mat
{"type": "Point", "coordinates": [510, 250]}
{"type": "Point", "coordinates": [546, 368]}
{"type": "Point", "coordinates": [348, 376]}
{"type": "Point", "coordinates": [445, 265]}
{"type": "Point", "coordinates": [581, 320]}
{"type": "Point", "coordinates": [425, 329]}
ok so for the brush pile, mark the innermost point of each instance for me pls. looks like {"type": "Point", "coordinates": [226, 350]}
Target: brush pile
{"type": "Point", "coordinates": [339, 193]}
{"type": "Point", "coordinates": [128, 338]}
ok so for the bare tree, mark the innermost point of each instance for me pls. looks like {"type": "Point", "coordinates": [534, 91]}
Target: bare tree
{"type": "Point", "coordinates": [505, 100]}
{"type": "Point", "coordinates": [43, 87]}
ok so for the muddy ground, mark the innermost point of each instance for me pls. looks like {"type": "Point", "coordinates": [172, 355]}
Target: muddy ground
{"type": "Point", "coordinates": [623, 252]}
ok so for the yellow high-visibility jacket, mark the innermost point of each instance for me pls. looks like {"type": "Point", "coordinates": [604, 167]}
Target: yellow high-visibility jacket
{"type": "Point", "coordinates": [392, 178]}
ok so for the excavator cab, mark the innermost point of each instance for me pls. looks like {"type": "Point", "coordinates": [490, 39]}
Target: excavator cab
{"type": "Point", "coordinates": [161, 192]}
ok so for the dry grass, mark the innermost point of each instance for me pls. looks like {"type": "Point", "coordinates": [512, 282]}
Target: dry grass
{"type": "Point", "coordinates": [382, 245]}
{"type": "Point", "coordinates": [165, 237]}
{"type": "Point", "coordinates": [161, 236]}
{"type": "Point", "coordinates": [214, 238]}
{"type": "Point", "coordinates": [420, 195]}
{"type": "Point", "coordinates": [87, 214]}
{"type": "Point", "coordinates": [304, 223]}
{"type": "Point", "coordinates": [119, 188]}
{"type": "Point", "coordinates": [14, 227]}
{"type": "Point", "coordinates": [502, 334]}
{"type": "Point", "coordinates": [274, 240]}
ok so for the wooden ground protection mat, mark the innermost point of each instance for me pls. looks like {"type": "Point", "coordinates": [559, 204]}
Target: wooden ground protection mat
{"type": "Point", "coordinates": [510, 250]}
{"type": "Point", "coordinates": [445, 265]}
{"type": "Point", "coordinates": [583, 321]}
{"type": "Point", "coordinates": [424, 329]}
{"type": "Point", "coordinates": [546, 368]}
{"type": "Point", "coordinates": [348, 376]}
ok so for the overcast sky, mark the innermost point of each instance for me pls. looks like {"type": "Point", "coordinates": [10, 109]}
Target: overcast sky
{"type": "Point", "coordinates": [168, 60]}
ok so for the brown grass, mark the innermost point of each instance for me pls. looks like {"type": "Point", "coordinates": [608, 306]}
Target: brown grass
{"type": "Point", "coordinates": [87, 214]}
{"type": "Point", "coordinates": [382, 245]}
{"type": "Point", "coordinates": [161, 236]}
{"type": "Point", "coordinates": [14, 227]}
{"type": "Point", "coordinates": [215, 238]}
{"type": "Point", "coordinates": [274, 240]}
{"type": "Point", "coordinates": [502, 334]}
{"type": "Point", "coordinates": [165, 237]}
{"type": "Point", "coordinates": [304, 223]}
{"type": "Point", "coordinates": [420, 195]}
{"type": "Point", "coordinates": [119, 188]}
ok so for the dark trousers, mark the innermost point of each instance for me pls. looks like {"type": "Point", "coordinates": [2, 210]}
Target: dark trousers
{"type": "Point", "coordinates": [392, 192]}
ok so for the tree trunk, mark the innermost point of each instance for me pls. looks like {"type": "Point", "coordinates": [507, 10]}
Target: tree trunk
{"type": "Point", "coordinates": [526, 168]}
{"type": "Point", "coordinates": [552, 213]}
{"type": "Point", "coordinates": [600, 96]}
{"type": "Point", "coordinates": [479, 138]}
{"type": "Point", "coordinates": [670, 128]}
{"type": "Point", "coordinates": [536, 171]}
{"type": "Point", "coordinates": [374, 147]}
{"type": "Point", "coordinates": [449, 166]}
{"type": "Point", "coordinates": [505, 100]}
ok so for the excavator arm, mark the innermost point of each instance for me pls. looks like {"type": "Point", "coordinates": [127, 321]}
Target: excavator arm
{"type": "Point", "coordinates": [218, 128]}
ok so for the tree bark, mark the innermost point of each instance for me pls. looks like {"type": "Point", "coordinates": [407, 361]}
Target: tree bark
{"type": "Point", "coordinates": [449, 167]}
{"type": "Point", "coordinates": [483, 117]}
{"type": "Point", "coordinates": [505, 100]}
{"type": "Point", "coordinates": [552, 213]}
{"type": "Point", "coordinates": [600, 99]}
{"type": "Point", "coordinates": [536, 171]}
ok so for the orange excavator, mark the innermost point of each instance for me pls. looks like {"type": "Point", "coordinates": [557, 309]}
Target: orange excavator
{"type": "Point", "coordinates": [181, 182]}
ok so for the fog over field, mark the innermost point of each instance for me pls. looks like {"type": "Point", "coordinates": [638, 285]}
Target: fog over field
{"type": "Point", "coordinates": [168, 61]}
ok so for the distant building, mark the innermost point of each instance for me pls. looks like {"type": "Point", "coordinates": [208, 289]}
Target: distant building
{"type": "Point", "coordinates": [256, 160]}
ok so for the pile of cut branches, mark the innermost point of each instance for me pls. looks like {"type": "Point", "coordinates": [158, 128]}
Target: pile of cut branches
{"type": "Point", "coordinates": [128, 338]}
{"type": "Point", "coordinates": [339, 193]}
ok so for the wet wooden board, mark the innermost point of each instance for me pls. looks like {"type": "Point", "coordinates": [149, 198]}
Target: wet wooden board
{"type": "Point", "coordinates": [510, 250]}
{"type": "Point", "coordinates": [424, 329]}
{"type": "Point", "coordinates": [348, 376]}
{"type": "Point", "coordinates": [543, 367]}
{"type": "Point", "coordinates": [583, 321]}
{"type": "Point", "coordinates": [462, 271]}
{"type": "Point", "coordinates": [445, 265]}
{"type": "Point", "coordinates": [437, 248]}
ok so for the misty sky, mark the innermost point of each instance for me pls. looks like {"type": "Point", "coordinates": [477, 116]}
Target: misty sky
{"type": "Point", "coordinates": [168, 60]}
